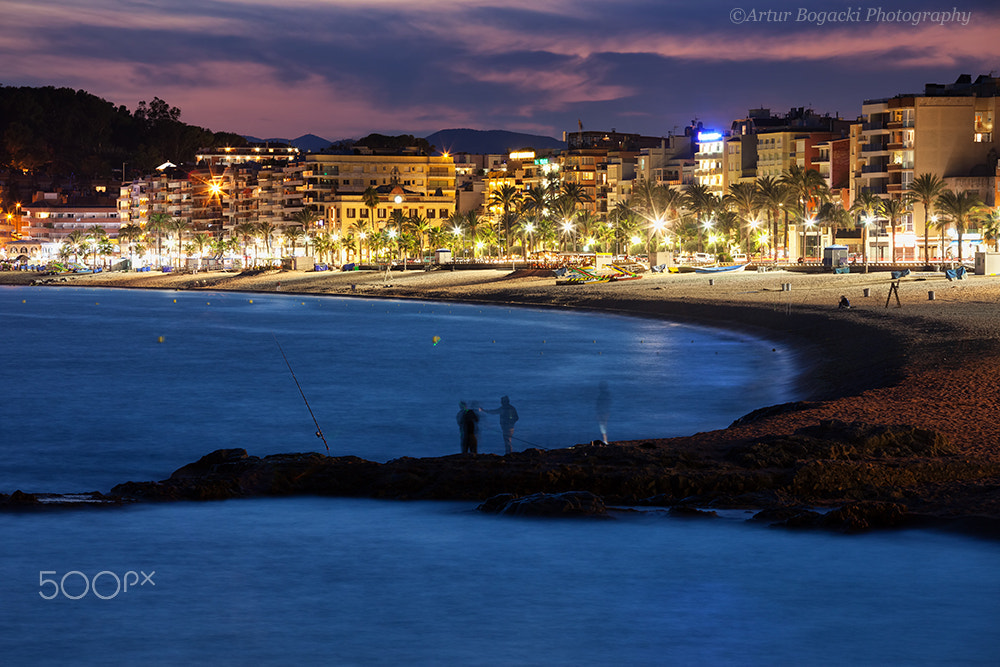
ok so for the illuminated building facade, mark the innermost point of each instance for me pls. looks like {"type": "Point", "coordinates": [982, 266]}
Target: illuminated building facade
{"type": "Point", "coordinates": [948, 131]}
{"type": "Point", "coordinates": [419, 186]}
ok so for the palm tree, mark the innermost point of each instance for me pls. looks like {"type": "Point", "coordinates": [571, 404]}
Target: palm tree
{"type": "Point", "coordinates": [473, 225]}
{"type": "Point", "coordinates": [866, 206]}
{"type": "Point", "coordinates": [418, 226]}
{"type": "Point", "coordinates": [744, 198]}
{"type": "Point", "coordinates": [623, 219]}
{"type": "Point", "coordinates": [178, 226]}
{"type": "Point", "coordinates": [371, 199]}
{"type": "Point", "coordinates": [587, 226]}
{"type": "Point", "coordinates": [704, 204]}
{"type": "Point", "coordinates": [925, 189]}
{"type": "Point", "coordinates": [990, 226]}
{"type": "Point", "coordinates": [266, 231]}
{"type": "Point", "coordinates": [960, 209]}
{"type": "Point", "coordinates": [773, 197]}
{"type": "Point", "coordinates": [199, 242]}
{"type": "Point", "coordinates": [893, 210]}
{"type": "Point", "coordinates": [245, 231]}
{"type": "Point", "coordinates": [76, 242]}
{"type": "Point", "coordinates": [294, 234]}
{"type": "Point", "coordinates": [157, 225]}
{"type": "Point", "coordinates": [506, 197]}
{"type": "Point", "coordinates": [437, 237]}
{"type": "Point", "coordinates": [833, 215]}
{"type": "Point", "coordinates": [809, 188]}
{"type": "Point", "coordinates": [574, 192]}
{"type": "Point", "coordinates": [305, 217]}
{"type": "Point", "coordinates": [363, 231]}
{"type": "Point", "coordinates": [130, 233]}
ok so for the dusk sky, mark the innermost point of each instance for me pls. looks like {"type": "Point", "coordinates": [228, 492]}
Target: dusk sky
{"type": "Point", "coordinates": [345, 68]}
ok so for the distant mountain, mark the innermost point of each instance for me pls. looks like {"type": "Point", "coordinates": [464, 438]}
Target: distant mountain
{"type": "Point", "coordinates": [480, 142]}
{"type": "Point", "coordinates": [307, 142]}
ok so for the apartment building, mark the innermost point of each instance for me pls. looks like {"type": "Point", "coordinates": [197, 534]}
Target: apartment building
{"type": "Point", "coordinates": [50, 219]}
{"type": "Point", "coordinates": [416, 185]}
{"type": "Point", "coordinates": [711, 168]}
{"type": "Point", "coordinates": [946, 131]}
{"type": "Point", "coordinates": [671, 162]}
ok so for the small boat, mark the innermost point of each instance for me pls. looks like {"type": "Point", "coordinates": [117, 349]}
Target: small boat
{"type": "Point", "coordinates": [721, 268]}
{"type": "Point", "coordinates": [582, 275]}
{"type": "Point", "coordinates": [623, 273]}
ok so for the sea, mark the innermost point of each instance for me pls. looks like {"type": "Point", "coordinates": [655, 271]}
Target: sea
{"type": "Point", "coordinates": [106, 386]}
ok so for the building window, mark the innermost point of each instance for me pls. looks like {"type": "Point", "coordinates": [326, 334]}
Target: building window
{"type": "Point", "coordinates": [364, 213]}
{"type": "Point", "coordinates": [444, 213]}
{"type": "Point", "coordinates": [430, 214]}
{"type": "Point", "coordinates": [383, 213]}
{"type": "Point", "coordinates": [352, 213]}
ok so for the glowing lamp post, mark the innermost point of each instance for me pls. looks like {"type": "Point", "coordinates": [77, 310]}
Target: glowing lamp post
{"type": "Point", "coordinates": [567, 228]}
{"type": "Point", "coordinates": [934, 220]}
{"type": "Point", "coordinates": [809, 227]}
{"type": "Point", "coordinates": [705, 227]}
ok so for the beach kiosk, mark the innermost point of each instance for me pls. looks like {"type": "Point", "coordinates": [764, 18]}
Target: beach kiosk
{"type": "Point", "coordinates": [442, 256]}
{"type": "Point", "coordinates": [834, 257]}
{"type": "Point", "coordinates": [987, 263]}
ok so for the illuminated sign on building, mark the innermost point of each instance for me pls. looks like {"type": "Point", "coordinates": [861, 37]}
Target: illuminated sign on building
{"type": "Point", "coordinates": [709, 136]}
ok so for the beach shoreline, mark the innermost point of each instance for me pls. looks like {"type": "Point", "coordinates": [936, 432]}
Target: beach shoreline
{"type": "Point", "coordinates": [928, 363]}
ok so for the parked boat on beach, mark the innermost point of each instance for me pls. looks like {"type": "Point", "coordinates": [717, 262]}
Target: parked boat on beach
{"type": "Point", "coordinates": [720, 268]}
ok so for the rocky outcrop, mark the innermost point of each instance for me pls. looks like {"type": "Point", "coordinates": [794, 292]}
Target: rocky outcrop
{"type": "Point", "coordinates": [872, 477]}
{"type": "Point", "coordinates": [568, 504]}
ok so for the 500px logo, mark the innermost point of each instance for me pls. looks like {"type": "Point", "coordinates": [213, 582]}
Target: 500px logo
{"type": "Point", "coordinates": [80, 584]}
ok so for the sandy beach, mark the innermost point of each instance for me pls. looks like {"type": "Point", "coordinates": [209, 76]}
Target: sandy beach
{"type": "Point", "coordinates": [929, 362]}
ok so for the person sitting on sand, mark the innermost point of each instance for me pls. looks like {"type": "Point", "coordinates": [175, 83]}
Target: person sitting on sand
{"type": "Point", "coordinates": [844, 303]}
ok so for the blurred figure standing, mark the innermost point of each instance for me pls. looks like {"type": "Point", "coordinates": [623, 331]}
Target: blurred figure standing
{"type": "Point", "coordinates": [508, 417]}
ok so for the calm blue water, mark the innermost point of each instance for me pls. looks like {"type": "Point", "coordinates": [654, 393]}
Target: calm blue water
{"type": "Point", "coordinates": [101, 401]}
{"type": "Point", "coordinates": [365, 582]}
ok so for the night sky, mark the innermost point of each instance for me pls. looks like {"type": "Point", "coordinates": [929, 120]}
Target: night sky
{"type": "Point", "coordinates": [345, 68]}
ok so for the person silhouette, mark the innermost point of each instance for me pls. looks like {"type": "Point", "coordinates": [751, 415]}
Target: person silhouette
{"type": "Point", "coordinates": [508, 417]}
{"type": "Point", "coordinates": [467, 422]}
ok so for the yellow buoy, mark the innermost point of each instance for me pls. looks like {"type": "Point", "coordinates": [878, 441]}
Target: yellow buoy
{"type": "Point", "coordinates": [160, 339]}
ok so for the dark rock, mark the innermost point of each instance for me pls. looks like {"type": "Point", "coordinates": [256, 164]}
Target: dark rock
{"type": "Point", "coordinates": [567, 504]}
{"type": "Point", "coordinates": [863, 516]}
{"type": "Point", "coordinates": [838, 440]}
{"type": "Point", "coordinates": [21, 498]}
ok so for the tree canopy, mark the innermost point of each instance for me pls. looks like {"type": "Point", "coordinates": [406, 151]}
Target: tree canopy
{"type": "Point", "coordinates": [60, 132]}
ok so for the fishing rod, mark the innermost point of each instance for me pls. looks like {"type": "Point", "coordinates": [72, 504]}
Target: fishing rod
{"type": "Point", "coordinates": [319, 431]}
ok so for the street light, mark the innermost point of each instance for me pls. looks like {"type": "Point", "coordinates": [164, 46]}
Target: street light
{"type": "Point", "coordinates": [705, 226]}
{"type": "Point", "coordinates": [567, 228]}
{"type": "Point", "coordinates": [934, 220]}
{"type": "Point", "coordinates": [810, 225]}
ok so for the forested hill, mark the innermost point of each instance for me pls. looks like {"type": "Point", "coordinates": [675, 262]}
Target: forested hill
{"type": "Point", "coordinates": [61, 132]}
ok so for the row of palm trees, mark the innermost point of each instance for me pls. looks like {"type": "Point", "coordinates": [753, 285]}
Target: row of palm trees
{"type": "Point", "coordinates": [755, 216]}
